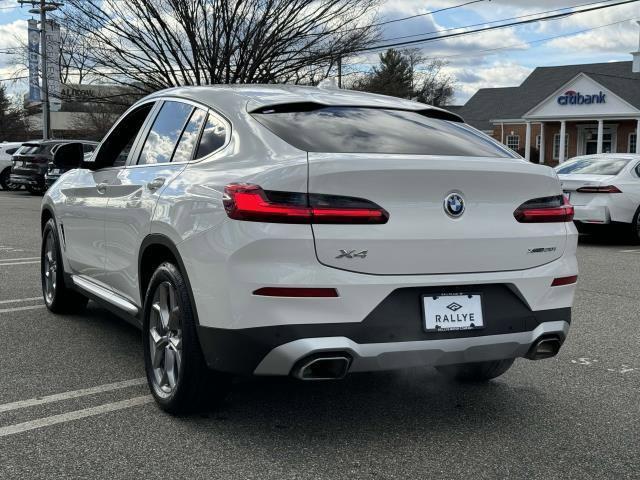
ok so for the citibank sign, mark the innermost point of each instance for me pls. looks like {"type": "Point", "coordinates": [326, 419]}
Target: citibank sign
{"type": "Point", "coordinates": [572, 97]}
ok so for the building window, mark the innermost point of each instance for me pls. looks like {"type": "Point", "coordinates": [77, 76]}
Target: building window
{"type": "Point", "coordinates": [556, 146]}
{"type": "Point", "coordinates": [537, 142]}
{"type": "Point", "coordinates": [633, 142]}
{"type": "Point", "coordinates": [513, 142]}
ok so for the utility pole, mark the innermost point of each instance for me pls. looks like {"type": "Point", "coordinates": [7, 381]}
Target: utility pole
{"type": "Point", "coordinates": [42, 7]}
{"type": "Point", "coordinates": [340, 72]}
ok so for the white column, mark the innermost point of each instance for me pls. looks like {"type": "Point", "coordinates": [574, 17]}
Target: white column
{"type": "Point", "coordinates": [563, 132]}
{"type": "Point", "coordinates": [502, 132]}
{"type": "Point", "coordinates": [542, 145]}
{"type": "Point", "coordinates": [527, 143]}
{"type": "Point", "coordinates": [600, 135]}
{"type": "Point", "coordinates": [638, 137]}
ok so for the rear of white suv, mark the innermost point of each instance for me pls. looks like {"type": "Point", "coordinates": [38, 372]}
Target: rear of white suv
{"type": "Point", "coordinates": [604, 189]}
{"type": "Point", "coordinates": [331, 232]}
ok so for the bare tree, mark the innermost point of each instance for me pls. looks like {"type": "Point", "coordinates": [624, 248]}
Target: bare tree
{"type": "Point", "coordinates": [95, 124]}
{"type": "Point", "coordinates": [154, 44]}
{"type": "Point", "coordinates": [75, 58]}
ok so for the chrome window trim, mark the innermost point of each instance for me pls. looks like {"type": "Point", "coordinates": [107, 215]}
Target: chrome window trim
{"type": "Point", "coordinates": [210, 111]}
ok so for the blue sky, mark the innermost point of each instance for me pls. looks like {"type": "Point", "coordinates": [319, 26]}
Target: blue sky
{"type": "Point", "coordinates": [473, 60]}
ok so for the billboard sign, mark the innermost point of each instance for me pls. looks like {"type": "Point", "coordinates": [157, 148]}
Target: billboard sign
{"type": "Point", "coordinates": [52, 69]}
{"type": "Point", "coordinates": [33, 41]}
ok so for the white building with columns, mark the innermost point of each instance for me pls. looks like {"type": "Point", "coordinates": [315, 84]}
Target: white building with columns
{"type": "Point", "coordinates": [564, 111]}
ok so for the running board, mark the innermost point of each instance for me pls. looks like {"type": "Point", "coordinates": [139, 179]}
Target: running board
{"type": "Point", "coordinates": [104, 294]}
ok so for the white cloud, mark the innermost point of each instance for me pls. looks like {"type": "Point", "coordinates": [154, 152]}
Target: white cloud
{"type": "Point", "coordinates": [492, 75]}
{"type": "Point", "coordinates": [11, 34]}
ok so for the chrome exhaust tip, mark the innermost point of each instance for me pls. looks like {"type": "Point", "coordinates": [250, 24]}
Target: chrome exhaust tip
{"type": "Point", "coordinates": [544, 348]}
{"type": "Point", "coordinates": [322, 367]}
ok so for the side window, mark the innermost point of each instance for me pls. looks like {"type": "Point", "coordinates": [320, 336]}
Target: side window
{"type": "Point", "coordinates": [116, 147]}
{"type": "Point", "coordinates": [164, 134]}
{"type": "Point", "coordinates": [88, 147]}
{"type": "Point", "coordinates": [11, 151]}
{"type": "Point", "coordinates": [213, 136]}
{"type": "Point", "coordinates": [189, 138]}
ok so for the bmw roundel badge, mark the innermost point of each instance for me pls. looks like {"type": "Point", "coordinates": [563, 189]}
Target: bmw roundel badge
{"type": "Point", "coordinates": [454, 205]}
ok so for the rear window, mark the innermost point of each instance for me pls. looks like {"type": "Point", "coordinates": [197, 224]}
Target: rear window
{"type": "Point", "coordinates": [35, 149]}
{"type": "Point", "coordinates": [593, 166]}
{"type": "Point", "coordinates": [377, 130]}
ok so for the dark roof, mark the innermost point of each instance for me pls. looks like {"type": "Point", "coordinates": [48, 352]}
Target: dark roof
{"type": "Point", "coordinates": [514, 102]}
{"type": "Point", "coordinates": [56, 141]}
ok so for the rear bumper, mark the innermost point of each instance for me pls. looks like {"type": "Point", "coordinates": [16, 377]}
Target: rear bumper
{"type": "Point", "coordinates": [27, 180]}
{"type": "Point", "coordinates": [392, 355]}
{"type": "Point", "coordinates": [377, 345]}
{"type": "Point", "coordinates": [598, 214]}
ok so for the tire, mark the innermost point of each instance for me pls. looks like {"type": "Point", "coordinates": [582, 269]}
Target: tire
{"type": "Point", "coordinates": [177, 374]}
{"type": "Point", "coordinates": [634, 230]}
{"type": "Point", "coordinates": [58, 297]}
{"type": "Point", "coordinates": [476, 372]}
{"type": "Point", "coordinates": [4, 181]}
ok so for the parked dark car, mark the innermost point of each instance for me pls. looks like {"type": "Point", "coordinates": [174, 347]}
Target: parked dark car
{"type": "Point", "coordinates": [55, 170]}
{"type": "Point", "coordinates": [31, 162]}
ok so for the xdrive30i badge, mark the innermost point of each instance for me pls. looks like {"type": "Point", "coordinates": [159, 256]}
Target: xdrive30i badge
{"type": "Point", "coordinates": [353, 254]}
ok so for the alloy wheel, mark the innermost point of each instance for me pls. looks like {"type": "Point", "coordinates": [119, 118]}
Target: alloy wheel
{"type": "Point", "coordinates": [165, 339]}
{"type": "Point", "coordinates": [50, 268]}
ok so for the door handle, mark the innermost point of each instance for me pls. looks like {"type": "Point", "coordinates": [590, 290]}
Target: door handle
{"type": "Point", "coordinates": [102, 187]}
{"type": "Point", "coordinates": [155, 184]}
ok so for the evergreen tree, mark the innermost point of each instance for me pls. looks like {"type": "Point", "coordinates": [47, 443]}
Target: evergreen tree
{"type": "Point", "coordinates": [12, 123]}
{"type": "Point", "coordinates": [394, 76]}
{"type": "Point", "coordinates": [407, 74]}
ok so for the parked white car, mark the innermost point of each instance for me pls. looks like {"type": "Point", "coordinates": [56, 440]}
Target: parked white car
{"type": "Point", "coordinates": [272, 230]}
{"type": "Point", "coordinates": [7, 150]}
{"type": "Point", "coordinates": [604, 189]}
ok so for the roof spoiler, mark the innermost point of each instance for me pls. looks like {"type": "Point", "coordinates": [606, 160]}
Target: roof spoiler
{"type": "Point", "coordinates": [431, 112]}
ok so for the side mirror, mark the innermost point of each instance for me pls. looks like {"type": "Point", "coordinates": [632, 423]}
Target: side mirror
{"type": "Point", "coordinates": [68, 156]}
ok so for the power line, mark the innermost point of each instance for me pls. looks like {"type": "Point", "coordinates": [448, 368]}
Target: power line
{"type": "Point", "coordinates": [494, 21]}
{"type": "Point", "coordinates": [426, 13]}
{"type": "Point", "coordinates": [514, 45]}
{"type": "Point", "coordinates": [495, 27]}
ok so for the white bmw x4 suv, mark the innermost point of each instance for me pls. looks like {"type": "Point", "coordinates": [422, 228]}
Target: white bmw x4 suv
{"type": "Point", "coordinates": [271, 230]}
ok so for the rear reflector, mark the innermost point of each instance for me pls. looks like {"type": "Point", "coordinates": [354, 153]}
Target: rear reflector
{"type": "Point", "coordinates": [296, 292]}
{"type": "Point", "coordinates": [558, 282]}
{"type": "Point", "coordinates": [253, 204]}
{"type": "Point", "coordinates": [605, 189]}
{"type": "Point", "coordinates": [545, 210]}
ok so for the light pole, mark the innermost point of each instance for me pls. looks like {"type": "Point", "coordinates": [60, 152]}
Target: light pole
{"type": "Point", "coordinates": [42, 7]}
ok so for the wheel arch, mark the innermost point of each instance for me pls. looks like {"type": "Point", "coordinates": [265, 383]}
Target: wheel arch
{"type": "Point", "coordinates": [155, 249]}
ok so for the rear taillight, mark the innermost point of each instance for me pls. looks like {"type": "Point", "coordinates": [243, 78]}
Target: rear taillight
{"type": "Point", "coordinates": [253, 204]}
{"type": "Point", "coordinates": [605, 189]}
{"type": "Point", "coordinates": [545, 210]}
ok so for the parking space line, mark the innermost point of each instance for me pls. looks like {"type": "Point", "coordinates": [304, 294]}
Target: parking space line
{"type": "Point", "coordinates": [18, 300]}
{"type": "Point", "coordinates": [75, 415]}
{"type": "Point", "coordinates": [635, 250]}
{"type": "Point", "coordinates": [18, 259]}
{"type": "Point", "coordinates": [19, 263]}
{"type": "Point", "coordinates": [108, 387]}
{"type": "Point", "coordinates": [20, 309]}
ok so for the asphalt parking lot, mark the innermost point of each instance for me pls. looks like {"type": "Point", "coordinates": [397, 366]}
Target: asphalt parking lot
{"type": "Point", "coordinates": [73, 403]}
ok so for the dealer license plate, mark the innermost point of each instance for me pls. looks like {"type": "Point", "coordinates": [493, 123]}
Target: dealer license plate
{"type": "Point", "coordinates": [446, 312]}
